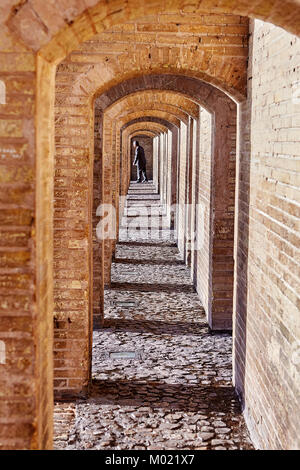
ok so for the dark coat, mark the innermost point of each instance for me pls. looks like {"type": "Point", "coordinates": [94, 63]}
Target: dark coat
{"type": "Point", "coordinates": [140, 159]}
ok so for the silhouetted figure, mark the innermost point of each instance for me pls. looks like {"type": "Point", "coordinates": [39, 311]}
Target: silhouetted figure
{"type": "Point", "coordinates": [140, 162]}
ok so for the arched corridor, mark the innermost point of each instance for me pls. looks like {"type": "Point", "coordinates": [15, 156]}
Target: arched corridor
{"type": "Point", "coordinates": [177, 392]}
{"type": "Point", "coordinates": [211, 290]}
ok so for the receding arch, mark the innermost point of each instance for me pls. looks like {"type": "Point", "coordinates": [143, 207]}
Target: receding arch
{"type": "Point", "coordinates": [152, 98]}
{"type": "Point", "coordinates": [169, 116]}
{"type": "Point", "coordinates": [191, 92]}
{"type": "Point", "coordinates": [144, 133]}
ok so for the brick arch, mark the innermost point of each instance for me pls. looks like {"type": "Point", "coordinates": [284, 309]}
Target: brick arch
{"type": "Point", "coordinates": [146, 124]}
{"type": "Point", "coordinates": [146, 119]}
{"type": "Point", "coordinates": [169, 116]}
{"type": "Point", "coordinates": [125, 134]}
{"type": "Point", "coordinates": [131, 128]}
{"type": "Point", "coordinates": [102, 252]}
{"type": "Point", "coordinates": [193, 89]}
{"type": "Point", "coordinates": [154, 98]}
{"type": "Point", "coordinates": [133, 122]}
{"type": "Point", "coordinates": [285, 14]}
{"type": "Point", "coordinates": [96, 20]}
{"type": "Point", "coordinates": [224, 110]}
{"type": "Point", "coordinates": [146, 133]}
{"type": "Point", "coordinates": [143, 117]}
{"type": "Point", "coordinates": [71, 136]}
{"type": "Point", "coordinates": [216, 53]}
{"type": "Point", "coordinates": [96, 78]}
{"type": "Point", "coordinates": [221, 215]}
{"type": "Point", "coordinates": [77, 111]}
{"type": "Point", "coordinates": [149, 119]}
{"type": "Point", "coordinates": [113, 122]}
{"type": "Point", "coordinates": [218, 58]}
{"type": "Point", "coordinates": [80, 22]}
{"type": "Point", "coordinates": [156, 125]}
{"type": "Point", "coordinates": [110, 170]}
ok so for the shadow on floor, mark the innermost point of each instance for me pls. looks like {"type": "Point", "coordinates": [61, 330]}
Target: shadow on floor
{"type": "Point", "coordinates": [159, 243]}
{"type": "Point", "coordinates": [173, 397]}
{"type": "Point", "coordinates": [152, 287]}
{"type": "Point", "coordinates": [157, 327]}
{"type": "Point", "coordinates": [149, 261]}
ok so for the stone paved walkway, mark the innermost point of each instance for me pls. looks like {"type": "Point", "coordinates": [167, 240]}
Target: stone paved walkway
{"type": "Point", "coordinates": [177, 393]}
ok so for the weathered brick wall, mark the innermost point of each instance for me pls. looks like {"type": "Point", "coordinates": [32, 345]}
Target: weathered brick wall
{"type": "Point", "coordinates": [26, 239]}
{"type": "Point", "coordinates": [73, 195]}
{"type": "Point", "coordinates": [107, 170]}
{"type": "Point", "coordinates": [169, 181]}
{"type": "Point", "coordinates": [194, 197]}
{"type": "Point", "coordinates": [188, 195]}
{"type": "Point", "coordinates": [182, 187]}
{"type": "Point", "coordinates": [162, 165]}
{"type": "Point", "coordinates": [173, 171]}
{"type": "Point", "coordinates": [267, 320]}
{"type": "Point", "coordinates": [202, 267]}
{"type": "Point", "coordinates": [155, 162]}
{"type": "Point", "coordinates": [98, 246]}
{"type": "Point", "coordinates": [217, 230]}
{"type": "Point", "coordinates": [223, 197]}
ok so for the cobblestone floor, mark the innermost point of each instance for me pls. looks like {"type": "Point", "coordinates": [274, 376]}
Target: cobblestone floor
{"type": "Point", "coordinates": [177, 392]}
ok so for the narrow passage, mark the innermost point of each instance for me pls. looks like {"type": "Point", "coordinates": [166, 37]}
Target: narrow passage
{"type": "Point", "coordinates": [161, 380]}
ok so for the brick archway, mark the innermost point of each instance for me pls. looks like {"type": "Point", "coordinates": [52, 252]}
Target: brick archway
{"type": "Point", "coordinates": [155, 125]}
{"type": "Point", "coordinates": [191, 94]}
{"type": "Point", "coordinates": [35, 145]}
{"type": "Point", "coordinates": [223, 110]}
{"type": "Point", "coordinates": [112, 124]}
{"type": "Point", "coordinates": [113, 114]}
{"type": "Point", "coordinates": [55, 21]}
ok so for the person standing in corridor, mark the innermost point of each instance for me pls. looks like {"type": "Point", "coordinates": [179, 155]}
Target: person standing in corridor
{"type": "Point", "coordinates": [140, 162]}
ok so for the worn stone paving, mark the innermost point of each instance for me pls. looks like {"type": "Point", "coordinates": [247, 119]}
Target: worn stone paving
{"type": "Point", "coordinates": [177, 392]}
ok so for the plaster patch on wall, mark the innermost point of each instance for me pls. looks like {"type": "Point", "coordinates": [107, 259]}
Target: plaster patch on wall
{"type": "Point", "coordinates": [2, 353]}
{"type": "Point", "coordinates": [2, 92]}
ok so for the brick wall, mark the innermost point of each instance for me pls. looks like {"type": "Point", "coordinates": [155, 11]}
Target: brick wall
{"type": "Point", "coordinates": [98, 247]}
{"type": "Point", "coordinates": [26, 331]}
{"type": "Point", "coordinates": [182, 163]}
{"type": "Point", "coordinates": [73, 195]}
{"type": "Point", "coordinates": [217, 228]}
{"type": "Point", "coordinates": [188, 195]}
{"type": "Point", "coordinates": [162, 165]}
{"type": "Point", "coordinates": [194, 198]}
{"type": "Point", "coordinates": [155, 162]}
{"type": "Point", "coordinates": [202, 263]}
{"type": "Point", "coordinates": [267, 321]}
{"type": "Point", "coordinates": [170, 177]}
